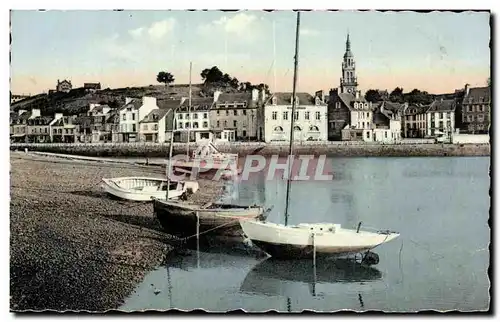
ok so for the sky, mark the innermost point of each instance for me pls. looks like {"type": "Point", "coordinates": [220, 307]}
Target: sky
{"type": "Point", "coordinates": [437, 52]}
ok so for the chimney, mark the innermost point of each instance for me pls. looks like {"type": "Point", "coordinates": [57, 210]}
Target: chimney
{"type": "Point", "coordinates": [263, 95]}
{"type": "Point", "coordinates": [128, 100]}
{"type": "Point", "coordinates": [358, 93]}
{"type": "Point", "coordinates": [35, 112]}
{"type": "Point", "coordinates": [148, 100]}
{"type": "Point", "coordinates": [255, 94]}
{"type": "Point", "coordinates": [467, 88]}
{"type": "Point", "coordinates": [321, 95]}
{"type": "Point", "coordinates": [216, 95]}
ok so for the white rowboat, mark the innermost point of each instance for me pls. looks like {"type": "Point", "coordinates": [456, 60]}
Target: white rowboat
{"type": "Point", "coordinates": [144, 188]}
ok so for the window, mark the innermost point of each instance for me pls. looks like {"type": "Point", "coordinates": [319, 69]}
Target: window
{"type": "Point", "coordinates": [480, 127]}
{"type": "Point", "coordinates": [205, 124]}
{"type": "Point", "coordinates": [133, 127]}
{"type": "Point", "coordinates": [306, 115]}
{"type": "Point", "coordinates": [296, 115]}
{"type": "Point", "coordinates": [145, 127]}
{"type": "Point", "coordinates": [244, 112]}
{"type": "Point", "coordinates": [227, 112]}
{"type": "Point", "coordinates": [133, 116]}
{"type": "Point", "coordinates": [156, 127]}
{"type": "Point", "coordinates": [218, 112]}
{"type": "Point", "coordinates": [235, 123]}
{"type": "Point", "coordinates": [313, 128]}
{"type": "Point", "coordinates": [278, 129]}
{"type": "Point", "coordinates": [235, 112]}
{"type": "Point", "coordinates": [218, 123]}
{"type": "Point", "coordinates": [180, 125]}
{"type": "Point", "coordinates": [368, 124]}
{"type": "Point", "coordinates": [205, 115]}
{"type": "Point", "coordinates": [363, 124]}
{"type": "Point", "coordinates": [469, 108]}
{"type": "Point", "coordinates": [180, 116]}
{"type": "Point", "coordinates": [318, 116]}
{"type": "Point", "coordinates": [186, 125]}
{"type": "Point", "coordinates": [480, 118]}
{"type": "Point", "coordinates": [385, 132]}
{"type": "Point", "coordinates": [297, 128]}
{"type": "Point", "coordinates": [124, 117]}
{"type": "Point", "coordinates": [195, 125]}
{"type": "Point", "coordinates": [367, 135]}
{"type": "Point", "coordinates": [442, 115]}
{"type": "Point", "coordinates": [285, 116]}
{"type": "Point", "coordinates": [195, 116]}
{"type": "Point", "coordinates": [368, 114]}
{"type": "Point", "coordinates": [225, 123]}
{"type": "Point", "coordinates": [337, 105]}
{"type": "Point", "coordinates": [274, 115]}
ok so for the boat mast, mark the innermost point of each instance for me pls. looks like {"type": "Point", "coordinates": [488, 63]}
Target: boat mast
{"type": "Point", "coordinates": [171, 146]}
{"type": "Point", "coordinates": [294, 103]}
{"type": "Point", "coordinates": [189, 108]}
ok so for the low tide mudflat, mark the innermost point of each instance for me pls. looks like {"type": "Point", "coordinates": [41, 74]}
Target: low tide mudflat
{"type": "Point", "coordinates": [72, 247]}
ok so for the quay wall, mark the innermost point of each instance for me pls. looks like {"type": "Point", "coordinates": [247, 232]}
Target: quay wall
{"type": "Point", "coordinates": [416, 148]}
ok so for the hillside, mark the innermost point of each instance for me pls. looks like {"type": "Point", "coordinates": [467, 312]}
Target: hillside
{"type": "Point", "coordinates": [78, 99]}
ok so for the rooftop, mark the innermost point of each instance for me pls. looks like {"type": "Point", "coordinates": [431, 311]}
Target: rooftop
{"type": "Point", "coordinates": [155, 115]}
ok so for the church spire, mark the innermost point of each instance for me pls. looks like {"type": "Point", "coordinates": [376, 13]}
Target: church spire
{"type": "Point", "coordinates": [348, 43]}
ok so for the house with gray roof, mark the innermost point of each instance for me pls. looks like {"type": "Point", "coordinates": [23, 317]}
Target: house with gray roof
{"type": "Point", "coordinates": [153, 126]}
{"type": "Point", "coordinates": [192, 119]}
{"type": "Point", "coordinates": [415, 121]}
{"type": "Point", "coordinates": [476, 110]}
{"type": "Point", "coordinates": [310, 119]}
{"type": "Point", "coordinates": [440, 119]}
{"type": "Point", "coordinates": [131, 113]}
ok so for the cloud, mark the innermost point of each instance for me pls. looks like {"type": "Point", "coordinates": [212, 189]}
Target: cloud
{"type": "Point", "coordinates": [239, 24]}
{"type": "Point", "coordinates": [156, 31]}
{"type": "Point", "coordinates": [308, 32]}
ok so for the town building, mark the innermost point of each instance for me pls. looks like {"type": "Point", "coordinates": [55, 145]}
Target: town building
{"type": "Point", "coordinates": [440, 119]}
{"type": "Point", "coordinates": [193, 120]}
{"type": "Point", "coordinates": [19, 123]}
{"type": "Point", "coordinates": [38, 129]}
{"type": "Point", "coordinates": [415, 121]}
{"type": "Point", "coordinates": [84, 128]}
{"type": "Point", "coordinates": [131, 114]}
{"type": "Point", "coordinates": [64, 86]}
{"type": "Point", "coordinates": [349, 117]}
{"type": "Point", "coordinates": [234, 115]}
{"type": "Point", "coordinates": [16, 98]}
{"type": "Point", "coordinates": [386, 126]}
{"type": "Point", "coordinates": [63, 129]}
{"type": "Point", "coordinates": [475, 110]}
{"type": "Point", "coordinates": [153, 126]}
{"type": "Point", "coordinates": [310, 118]}
{"type": "Point", "coordinates": [112, 126]}
{"type": "Point", "coordinates": [92, 87]}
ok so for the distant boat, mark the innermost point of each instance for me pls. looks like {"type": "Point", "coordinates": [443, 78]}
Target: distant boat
{"type": "Point", "coordinates": [144, 188]}
{"type": "Point", "coordinates": [207, 162]}
{"type": "Point", "coordinates": [310, 240]}
{"type": "Point", "coordinates": [180, 218]}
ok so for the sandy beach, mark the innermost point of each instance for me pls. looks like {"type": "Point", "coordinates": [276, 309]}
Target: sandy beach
{"type": "Point", "coordinates": [71, 246]}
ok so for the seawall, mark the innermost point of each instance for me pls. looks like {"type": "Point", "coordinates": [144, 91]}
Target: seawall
{"type": "Point", "coordinates": [335, 149]}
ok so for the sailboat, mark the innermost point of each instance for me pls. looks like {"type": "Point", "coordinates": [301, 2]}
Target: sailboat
{"type": "Point", "coordinates": [307, 240]}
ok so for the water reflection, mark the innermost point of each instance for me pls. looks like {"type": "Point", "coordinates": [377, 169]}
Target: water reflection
{"type": "Point", "coordinates": [287, 278]}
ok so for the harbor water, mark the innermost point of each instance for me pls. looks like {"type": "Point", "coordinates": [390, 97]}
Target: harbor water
{"type": "Point", "coordinates": [439, 205]}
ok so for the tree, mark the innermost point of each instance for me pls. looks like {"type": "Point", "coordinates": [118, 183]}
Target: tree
{"type": "Point", "coordinates": [212, 75]}
{"type": "Point", "coordinates": [397, 95]}
{"type": "Point", "coordinates": [373, 95]}
{"type": "Point", "coordinates": [488, 82]}
{"type": "Point", "coordinates": [165, 77]}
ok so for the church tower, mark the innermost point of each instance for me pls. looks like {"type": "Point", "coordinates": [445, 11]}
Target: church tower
{"type": "Point", "coordinates": [348, 82]}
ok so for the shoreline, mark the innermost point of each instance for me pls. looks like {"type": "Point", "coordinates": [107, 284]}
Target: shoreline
{"type": "Point", "coordinates": [333, 149]}
{"type": "Point", "coordinates": [72, 247]}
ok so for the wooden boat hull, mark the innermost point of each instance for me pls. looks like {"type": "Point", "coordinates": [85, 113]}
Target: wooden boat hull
{"type": "Point", "coordinates": [180, 219]}
{"type": "Point", "coordinates": [303, 241]}
{"type": "Point", "coordinates": [144, 188]}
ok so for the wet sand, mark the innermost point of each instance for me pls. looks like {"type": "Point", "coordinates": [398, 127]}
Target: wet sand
{"type": "Point", "coordinates": [74, 248]}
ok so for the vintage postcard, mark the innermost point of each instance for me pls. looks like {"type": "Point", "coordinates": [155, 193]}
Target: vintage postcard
{"type": "Point", "coordinates": [250, 160]}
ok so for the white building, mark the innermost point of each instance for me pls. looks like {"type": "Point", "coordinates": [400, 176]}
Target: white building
{"type": "Point", "coordinates": [131, 113]}
{"type": "Point", "coordinates": [387, 122]}
{"type": "Point", "coordinates": [310, 118]}
{"type": "Point", "coordinates": [440, 119]}
{"type": "Point", "coordinates": [153, 126]}
{"type": "Point", "coordinates": [194, 120]}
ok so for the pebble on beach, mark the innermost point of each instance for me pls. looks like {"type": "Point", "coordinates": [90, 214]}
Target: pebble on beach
{"type": "Point", "coordinates": [74, 248]}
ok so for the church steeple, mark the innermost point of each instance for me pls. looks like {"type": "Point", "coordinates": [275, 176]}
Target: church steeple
{"type": "Point", "coordinates": [348, 81]}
